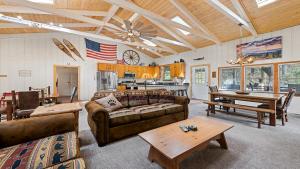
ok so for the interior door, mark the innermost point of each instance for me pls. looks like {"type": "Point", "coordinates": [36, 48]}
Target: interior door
{"type": "Point", "coordinates": [200, 82]}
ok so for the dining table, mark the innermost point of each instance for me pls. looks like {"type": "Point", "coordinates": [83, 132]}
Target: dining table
{"type": "Point", "coordinates": [9, 105]}
{"type": "Point", "coordinates": [272, 99]}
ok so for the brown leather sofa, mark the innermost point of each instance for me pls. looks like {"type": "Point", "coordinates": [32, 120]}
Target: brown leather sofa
{"type": "Point", "coordinates": [142, 110]}
{"type": "Point", "coordinates": [40, 142]}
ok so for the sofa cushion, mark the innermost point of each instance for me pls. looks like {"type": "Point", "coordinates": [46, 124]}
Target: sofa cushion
{"type": "Point", "coordinates": [137, 97]}
{"type": "Point", "coordinates": [71, 164]}
{"type": "Point", "coordinates": [170, 107]}
{"type": "Point", "coordinates": [153, 95]}
{"type": "Point", "coordinates": [123, 116]}
{"type": "Point", "coordinates": [41, 153]}
{"type": "Point", "coordinates": [110, 103]}
{"type": "Point", "coordinates": [121, 96]}
{"type": "Point", "coordinates": [166, 97]}
{"type": "Point", "coordinates": [148, 111]}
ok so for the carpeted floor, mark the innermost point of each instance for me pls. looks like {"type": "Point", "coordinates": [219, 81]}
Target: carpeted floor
{"type": "Point", "coordinates": [249, 147]}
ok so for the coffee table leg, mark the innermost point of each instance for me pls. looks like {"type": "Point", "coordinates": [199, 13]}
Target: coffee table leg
{"type": "Point", "coordinates": [222, 141]}
{"type": "Point", "coordinates": [156, 156]}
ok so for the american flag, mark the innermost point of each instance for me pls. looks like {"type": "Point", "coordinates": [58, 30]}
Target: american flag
{"type": "Point", "coordinates": [101, 51]}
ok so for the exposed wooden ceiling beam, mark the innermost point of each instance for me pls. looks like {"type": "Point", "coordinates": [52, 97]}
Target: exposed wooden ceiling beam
{"type": "Point", "coordinates": [66, 25]}
{"type": "Point", "coordinates": [172, 33]}
{"type": "Point", "coordinates": [231, 15]}
{"type": "Point", "coordinates": [241, 11]}
{"type": "Point", "coordinates": [195, 22]}
{"type": "Point", "coordinates": [161, 44]}
{"type": "Point", "coordinates": [112, 11]}
{"type": "Point", "coordinates": [60, 12]}
{"type": "Point", "coordinates": [132, 7]}
{"type": "Point", "coordinates": [26, 10]}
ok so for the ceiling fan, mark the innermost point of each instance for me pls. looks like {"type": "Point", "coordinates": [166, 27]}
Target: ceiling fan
{"type": "Point", "coordinates": [137, 32]}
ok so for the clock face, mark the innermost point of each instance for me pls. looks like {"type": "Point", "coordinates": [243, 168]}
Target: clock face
{"type": "Point", "coordinates": [131, 57]}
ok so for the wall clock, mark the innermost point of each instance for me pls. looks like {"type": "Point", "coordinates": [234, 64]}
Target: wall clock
{"type": "Point", "coordinates": [131, 57]}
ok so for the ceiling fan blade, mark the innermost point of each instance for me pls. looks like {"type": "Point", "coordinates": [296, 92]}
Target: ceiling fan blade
{"type": "Point", "coordinates": [127, 24]}
{"type": "Point", "coordinates": [150, 32]}
{"type": "Point", "coordinates": [147, 38]}
{"type": "Point", "coordinates": [148, 35]}
{"type": "Point", "coordinates": [138, 25]}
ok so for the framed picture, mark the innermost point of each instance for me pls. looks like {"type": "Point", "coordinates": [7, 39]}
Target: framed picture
{"type": "Point", "coordinates": [270, 48]}
{"type": "Point", "coordinates": [214, 74]}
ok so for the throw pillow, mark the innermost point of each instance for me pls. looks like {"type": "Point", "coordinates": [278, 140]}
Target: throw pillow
{"type": "Point", "coordinates": [166, 97]}
{"type": "Point", "coordinates": [110, 103]}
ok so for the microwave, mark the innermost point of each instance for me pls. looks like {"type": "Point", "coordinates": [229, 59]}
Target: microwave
{"type": "Point", "coordinates": [129, 75]}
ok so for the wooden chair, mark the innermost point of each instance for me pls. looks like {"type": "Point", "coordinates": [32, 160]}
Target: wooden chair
{"type": "Point", "coordinates": [26, 103]}
{"type": "Point", "coordinates": [281, 109]}
{"type": "Point", "coordinates": [2, 107]}
{"type": "Point", "coordinates": [220, 99]}
{"type": "Point", "coordinates": [43, 92]}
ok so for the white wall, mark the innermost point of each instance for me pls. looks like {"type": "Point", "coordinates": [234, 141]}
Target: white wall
{"type": "Point", "coordinates": [217, 55]}
{"type": "Point", "coordinates": [36, 52]}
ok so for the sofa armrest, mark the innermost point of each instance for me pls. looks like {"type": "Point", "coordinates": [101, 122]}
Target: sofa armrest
{"type": "Point", "coordinates": [20, 131]}
{"type": "Point", "coordinates": [98, 120]}
{"type": "Point", "coordinates": [184, 101]}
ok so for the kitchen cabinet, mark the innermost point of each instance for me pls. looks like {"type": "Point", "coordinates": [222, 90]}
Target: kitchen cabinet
{"type": "Point", "coordinates": [141, 72]}
{"type": "Point", "coordinates": [177, 70]}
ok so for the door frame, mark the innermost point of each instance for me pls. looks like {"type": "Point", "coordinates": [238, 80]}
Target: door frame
{"type": "Point", "coordinates": [55, 78]}
{"type": "Point", "coordinates": [191, 78]}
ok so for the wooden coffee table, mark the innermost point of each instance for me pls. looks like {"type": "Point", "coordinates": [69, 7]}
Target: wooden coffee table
{"type": "Point", "coordinates": [59, 109]}
{"type": "Point", "coordinates": [170, 145]}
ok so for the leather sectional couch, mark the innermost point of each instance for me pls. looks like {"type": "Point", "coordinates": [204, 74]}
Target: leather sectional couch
{"type": "Point", "coordinates": [40, 142]}
{"type": "Point", "coordinates": [142, 110]}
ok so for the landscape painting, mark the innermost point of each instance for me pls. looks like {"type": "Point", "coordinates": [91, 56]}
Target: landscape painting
{"type": "Point", "coordinates": [270, 48]}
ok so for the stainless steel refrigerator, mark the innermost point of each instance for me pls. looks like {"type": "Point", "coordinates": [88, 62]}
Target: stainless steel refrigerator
{"type": "Point", "coordinates": [106, 80]}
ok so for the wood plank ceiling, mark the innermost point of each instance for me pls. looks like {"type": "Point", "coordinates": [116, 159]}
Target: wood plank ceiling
{"type": "Point", "coordinates": [276, 16]}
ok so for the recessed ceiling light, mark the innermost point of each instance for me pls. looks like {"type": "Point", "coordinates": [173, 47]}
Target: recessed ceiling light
{"type": "Point", "coordinates": [51, 23]}
{"type": "Point", "coordinates": [42, 1]}
{"type": "Point", "coordinates": [19, 17]}
{"type": "Point", "coordinates": [60, 25]}
{"type": "Point", "coordinates": [179, 20]}
{"type": "Point", "coordinates": [1, 14]}
{"type": "Point", "coordinates": [261, 3]}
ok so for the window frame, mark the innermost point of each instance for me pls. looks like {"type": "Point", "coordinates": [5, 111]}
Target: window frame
{"type": "Point", "coordinates": [261, 65]}
{"type": "Point", "coordinates": [229, 67]}
{"type": "Point", "coordinates": [279, 79]}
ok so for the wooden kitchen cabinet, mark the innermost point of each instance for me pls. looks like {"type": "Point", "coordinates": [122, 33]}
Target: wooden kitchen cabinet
{"type": "Point", "coordinates": [107, 67]}
{"type": "Point", "coordinates": [120, 69]}
{"type": "Point", "coordinates": [177, 70]}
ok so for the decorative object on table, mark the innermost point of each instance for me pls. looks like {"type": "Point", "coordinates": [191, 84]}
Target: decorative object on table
{"type": "Point", "coordinates": [241, 58]}
{"type": "Point", "coordinates": [131, 57]}
{"type": "Point", "coordinates": [100, 51]}
{"type": "Point", "coordinates": [3, 75]}
{"type": "Point", "coordinates": [62, 47]}
{"type": "Point", "coordinates": [187, 128]}
{"type": "Point", "coordinates": [181, 60]}
{"type": "Point", "coordinates": [137, 32]}
{"type": "Point", "coordinates": [214, 74]}
{"type": "Point", "coordinates": [201, 58]}
{"type": "Point", "coordinates": [242, 92]}
{"type": "Point", "coordinates": [72, 48]}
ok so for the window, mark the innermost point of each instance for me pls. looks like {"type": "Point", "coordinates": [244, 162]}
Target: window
{"type": "Point", "coordinates": [179, 20]}
{"type": "Point", "coordinates": [289, 77]}
{"type": "Point", "coordinates": [167, 73]}
{"type": "Point", "coordinates": [261, 3]}
{"type": "Point", "coordinates": [230, 78]}
{"type": "Point", "coordinates": [200, 76]}
{"type": "Point", "coordinates": [259, 78]}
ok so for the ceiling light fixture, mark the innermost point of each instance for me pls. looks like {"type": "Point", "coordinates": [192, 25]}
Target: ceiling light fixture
{"type": "Point", "coordinates": [1, 15]}
{"type": "Point", "coordinates": [42, 1]}
{"type": "Point", "coordinates": [19, 17]}
{"type": "Point", "coordinates": [60, 25]}
{"type": "Point", "coordinates": [51, 23]}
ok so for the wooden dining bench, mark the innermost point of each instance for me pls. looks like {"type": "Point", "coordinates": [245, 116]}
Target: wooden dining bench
{"type": "Point", "coordinates": [259, 111]}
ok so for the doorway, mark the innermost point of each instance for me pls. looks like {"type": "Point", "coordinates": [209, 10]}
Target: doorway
{"type": "Point", "coordinates": [200, 80]}
{"type": "Point", "coordinates": [65, 79]}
